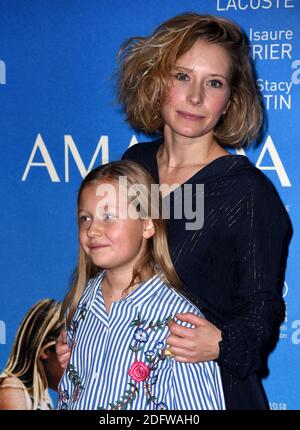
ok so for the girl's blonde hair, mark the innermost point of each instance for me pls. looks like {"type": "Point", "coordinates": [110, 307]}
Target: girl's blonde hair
{"type": "Point", "coordinates": [155, 259]}
{"type": "Point", "coordinates": [38, 331]}
{"type": "Point", "coordinates": [146, 63]}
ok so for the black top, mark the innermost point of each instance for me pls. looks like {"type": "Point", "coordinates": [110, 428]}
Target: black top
{"type": "Point", "coordinates": [230, 267]}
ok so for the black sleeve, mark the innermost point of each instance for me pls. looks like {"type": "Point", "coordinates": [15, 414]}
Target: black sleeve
{"type": "Point", "coordinates": [135, 153]}
{"type": "Point", "coordinates": [260, 241]}
{"type": "Point", "coordinates": [129, 154]}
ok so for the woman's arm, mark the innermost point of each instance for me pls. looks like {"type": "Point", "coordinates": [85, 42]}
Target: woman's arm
{"type": "Point", "coordinates": [261, 239]}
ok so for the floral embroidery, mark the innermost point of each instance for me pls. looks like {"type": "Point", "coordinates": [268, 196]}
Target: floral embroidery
{"type": "Point", "coordinates": [73, 328]}
{"type": "Point", "coordinates": [162, 406]}
{"type": "Point", "coordinates": [140, 335]}
{"type": "Point", "coordinates": [76, 381]}
{"type": "Point", "coordinates": [140, 371]}
{"type": "Point", "coordinates": [71, 370]}
{"type": "Point", "coordinates": [63, 397]}
{"type": "Point", "coordinates": [83, 310]}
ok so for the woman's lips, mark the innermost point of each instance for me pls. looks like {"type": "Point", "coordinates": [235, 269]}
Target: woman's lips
{"type": "Point", "coordinates": [191, 116]}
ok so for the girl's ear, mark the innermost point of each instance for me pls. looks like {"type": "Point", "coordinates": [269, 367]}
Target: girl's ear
{"type": "Point", "coordinates": [44, 354]}
{"type": "Point", "coordinates": [149, 229]}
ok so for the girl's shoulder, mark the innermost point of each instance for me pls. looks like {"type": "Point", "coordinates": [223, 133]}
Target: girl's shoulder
{"type": "Point", "coordinates": [177, 301]}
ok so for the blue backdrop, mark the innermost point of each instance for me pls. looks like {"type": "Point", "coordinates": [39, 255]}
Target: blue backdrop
{"type": "Point", "coordinates": [58, 118]}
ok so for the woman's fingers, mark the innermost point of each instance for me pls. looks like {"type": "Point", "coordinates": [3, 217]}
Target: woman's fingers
{"type": "Point", "coordinates": [191, 318]}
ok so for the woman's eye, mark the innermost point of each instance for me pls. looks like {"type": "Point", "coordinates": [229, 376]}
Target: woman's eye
{"type": "Point", "coordinates": [215, 83]}
{"type": "Point", "coordinates": [180, 76]}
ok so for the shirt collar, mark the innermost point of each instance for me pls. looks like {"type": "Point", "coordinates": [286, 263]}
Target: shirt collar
{"type": "Point", "coordinates": [145, 290]}
{"type": "Point", "coordinates": [141, 294]}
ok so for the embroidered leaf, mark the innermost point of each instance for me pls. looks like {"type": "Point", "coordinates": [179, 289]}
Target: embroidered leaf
{"type": "Point", "coordinates": [141, 322]}
{"type": "Point", "coordinates": [151, 324]}
{"type": "Point", "coordinates": [133, 323]}
{"type": "Point", "coordinates": [154, 379]}
{"type": "Point", "coordinates": [134, 349]}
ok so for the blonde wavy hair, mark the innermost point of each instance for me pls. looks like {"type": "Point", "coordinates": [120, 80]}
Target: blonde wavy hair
{"type": "Point", "coordinates": [37, 331]}
{"type": "Point", "coordinates": [146, 63]}
{"type": "Point", "coordinates": [156, 257]}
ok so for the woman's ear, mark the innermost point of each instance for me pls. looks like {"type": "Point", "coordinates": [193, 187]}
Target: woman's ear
{"type": "Point", "coordinates": [149, 229]}
{"type": "Point", "coordinates": [226, 108]}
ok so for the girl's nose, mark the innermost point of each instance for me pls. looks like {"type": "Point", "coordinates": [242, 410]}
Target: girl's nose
{"type": "Point", "coordinates": [95, 229]}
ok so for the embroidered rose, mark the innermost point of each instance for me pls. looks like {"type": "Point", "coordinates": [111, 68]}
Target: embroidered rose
{"type": "Point", "coordinates": [139, 371]}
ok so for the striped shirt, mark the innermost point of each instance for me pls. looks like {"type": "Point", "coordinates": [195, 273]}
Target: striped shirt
{"type": "Point", "coordinates": [118, 361]}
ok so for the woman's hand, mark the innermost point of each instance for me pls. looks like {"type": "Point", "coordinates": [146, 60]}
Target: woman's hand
{"type": "Point", "coordinates": [63, 352]}
{"type": "Point", "coordinates": [192, 345]}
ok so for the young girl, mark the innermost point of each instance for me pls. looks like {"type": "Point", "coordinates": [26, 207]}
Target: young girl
{"type": "Point", "coordinates": [118, 309]}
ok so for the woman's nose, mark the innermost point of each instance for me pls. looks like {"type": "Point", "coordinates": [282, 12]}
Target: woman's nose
{"type": "Point", "coordinates": [195, 94]}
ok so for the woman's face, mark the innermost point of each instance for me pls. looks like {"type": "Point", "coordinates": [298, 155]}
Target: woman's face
{"type": "Point", "coordinates": [198, 91]}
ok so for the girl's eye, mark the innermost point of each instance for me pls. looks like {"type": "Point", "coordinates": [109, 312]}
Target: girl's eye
{"type": "Point", "coordinates": [108, 216]}
{"type": "Point", "coordinates": [180, 76]}
{"type": "Point", "coordinates": [83, 218]}
{"type": "Point", "coordinates": [215, 83]}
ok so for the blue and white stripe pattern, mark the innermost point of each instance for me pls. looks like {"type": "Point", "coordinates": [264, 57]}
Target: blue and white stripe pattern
{"type": "Point", "coordinates": [133, 336]}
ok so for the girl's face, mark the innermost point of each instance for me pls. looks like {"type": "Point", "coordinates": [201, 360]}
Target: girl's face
{"type": "Point", "coordinates": [198, 91]}
{"type": "Point", "coordinates": [112, 238]}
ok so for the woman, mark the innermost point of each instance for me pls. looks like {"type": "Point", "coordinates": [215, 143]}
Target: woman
{"type": "Point", "coordinates": [32, 366]}
{"type": "Point", "coordinates": [191, 83]}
